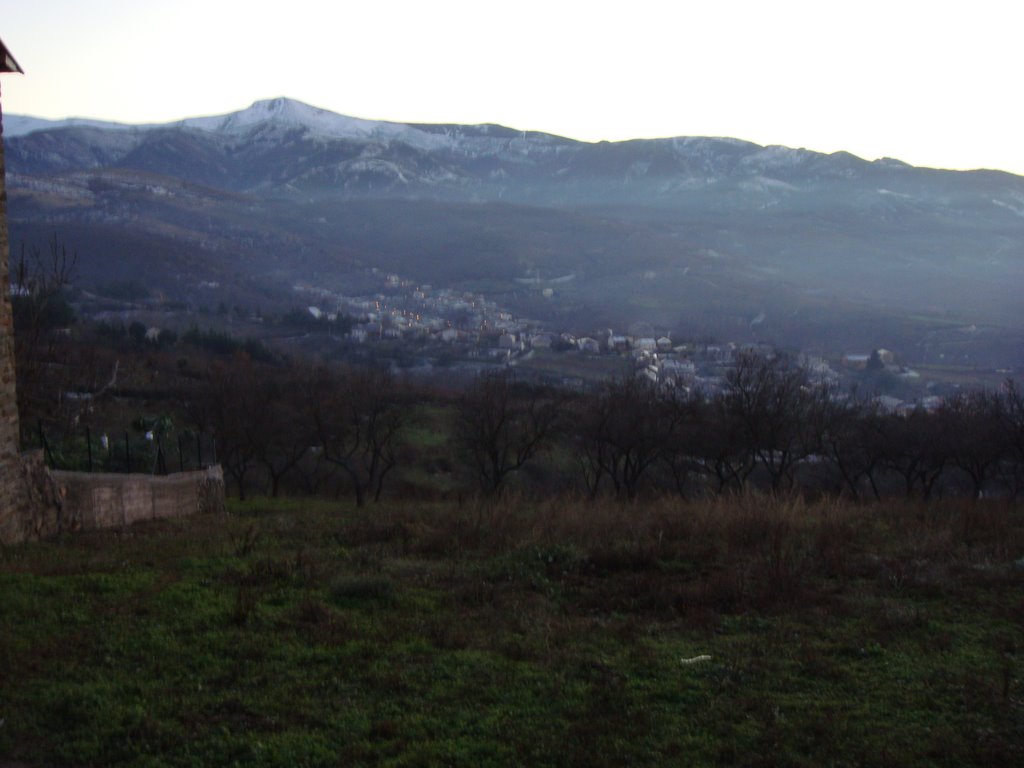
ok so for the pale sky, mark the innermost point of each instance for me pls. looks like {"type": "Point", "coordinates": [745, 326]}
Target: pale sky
{"type": "Point", "coordinates": [932, 83]}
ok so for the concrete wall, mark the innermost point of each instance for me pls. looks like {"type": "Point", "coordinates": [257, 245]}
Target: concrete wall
{"type": "Point", "coordinates": [87, 500]}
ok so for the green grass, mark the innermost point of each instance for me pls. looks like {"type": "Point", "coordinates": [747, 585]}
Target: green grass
{"type": "Point", "coordinates": [427, 435]}
{"type": "Point", "coordinates": [429, 425]}
{"type": "Point", "coordinates": [311, 633]}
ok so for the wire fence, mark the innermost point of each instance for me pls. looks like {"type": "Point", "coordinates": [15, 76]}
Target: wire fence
{"type": "Point", "coordinates": [152, 452]}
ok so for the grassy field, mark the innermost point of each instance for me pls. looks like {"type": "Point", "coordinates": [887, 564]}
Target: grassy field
{"type": "Point", "coordinates": [736, 632]}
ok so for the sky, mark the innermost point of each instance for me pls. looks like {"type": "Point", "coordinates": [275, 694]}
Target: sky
{"type": "Point", "coordinates": [931, 83]}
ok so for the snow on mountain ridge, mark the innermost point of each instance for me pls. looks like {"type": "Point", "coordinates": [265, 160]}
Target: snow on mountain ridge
{"type": "Point", "coordinates": [320, 123]}
{"type": "Point", "coordinates": [271, 121]}
{"type": "Point", "coordinates": [22, 125]}
{"type": "Point", "coordinates": [469, 141]}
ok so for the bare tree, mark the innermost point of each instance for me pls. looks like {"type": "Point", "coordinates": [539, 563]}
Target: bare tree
{"type": "Point", "coordinates": [850, 443]}
{"type": "Point", "coordinates": [724, 448]}
{"type": "Point", "coordinates": [978, 442]}
{"type": "Point", "coordinates": [224, 406]}
{"type": "Point", "coordinates": [1013, 429]}
{"type": "Point", "coordinates": [682, 428]}
{"type": "Point", "coordinates": [279, 429]}
{"type": "Point", "coordinates": [591, 415]}
{"type": "Point", "coordinates": [777, 412]}
{"type": "Point", "coordinates": [39, 281]}
{"type": "Point", "coordinates": [916, 448]}
{"type": "Point", "coordinates": [358, 421]}
{"type": "Point", "coordinates": [502, 425]}
{"type": "Point", "coordinates": [620, 435]}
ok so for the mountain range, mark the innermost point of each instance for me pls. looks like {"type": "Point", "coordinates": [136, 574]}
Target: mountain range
{"type": "Point", "coordinates": [709, 236]}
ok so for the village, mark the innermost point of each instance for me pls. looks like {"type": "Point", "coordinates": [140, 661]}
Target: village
{"type": "Point", "coordinates": [465, 332]}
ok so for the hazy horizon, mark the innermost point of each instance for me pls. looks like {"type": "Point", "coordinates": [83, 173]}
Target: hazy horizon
{"type": "Point", "coordinates": [89, 119]}
{"type": "Point", "coordinates": [924, 83]}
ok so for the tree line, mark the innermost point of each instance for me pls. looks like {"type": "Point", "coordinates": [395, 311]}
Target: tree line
{"type": "Point", "coordinates": [317, 429]}
{"type": "Point", "coordinates": [301, 428]}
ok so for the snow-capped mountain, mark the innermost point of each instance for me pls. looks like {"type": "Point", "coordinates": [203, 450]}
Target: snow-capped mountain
{"type": "Point", "coordinates": [761, 220]}
{"type": "Point", "coordinates": [284, 147]}
{"type": "Point", "coordinates": [315, 123]}
{"type": "Point", "coordinates": [279, 111]}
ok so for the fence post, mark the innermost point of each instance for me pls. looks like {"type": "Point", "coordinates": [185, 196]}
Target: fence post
{"type": "Point", "coordinates": [158, 465]}
{"type": "Point", "coordinates": [127, 455]}
{"type": "Point", "coordinates": [46, 446]}
{"type": "Point", "coordinates": [88, 445]}
{"type": "Point", "coordinates": [199, 450]}
{"type": "Point", "coordinates": [181, 455]}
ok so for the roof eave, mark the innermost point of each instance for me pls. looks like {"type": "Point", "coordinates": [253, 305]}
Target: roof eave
{"type": "Point", "coordinates": [7, 61]}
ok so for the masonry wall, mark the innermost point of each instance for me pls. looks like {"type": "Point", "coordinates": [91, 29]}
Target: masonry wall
{"type": "Point", "coordinates": [35, 502]}
{"type": "Point", "coordinates": [54, 501]}
{"type": "Point", "coordinates": [13, 499]}
{"type": "Point", "coordinates": [87, 500]}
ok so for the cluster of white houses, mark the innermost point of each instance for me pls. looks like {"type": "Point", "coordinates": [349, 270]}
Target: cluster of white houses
{"type": "Point", "coordinates": [419, 312]}
{"type": "Point", "coordinates": [483, 330]}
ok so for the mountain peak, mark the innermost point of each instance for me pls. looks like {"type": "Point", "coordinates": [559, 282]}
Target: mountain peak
{"type": "Point", "coordinates": [291, 113]}
{"type": "Point", "coordinates": [278, 110]}
{"type": "Point", "coordinates": [283, 108]}
{"type": "Point", "coordinates": [276, 104]}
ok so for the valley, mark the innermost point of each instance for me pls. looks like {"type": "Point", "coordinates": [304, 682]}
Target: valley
{"type": "Point", "coordinates": [700, 238]}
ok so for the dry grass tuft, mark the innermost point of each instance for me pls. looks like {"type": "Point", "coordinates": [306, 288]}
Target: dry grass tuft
{"type": "Point", "coordinates": [698, 558]}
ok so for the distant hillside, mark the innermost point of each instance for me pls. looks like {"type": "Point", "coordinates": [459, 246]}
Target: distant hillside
{"type": "Point", "coordinates": [680, 232]}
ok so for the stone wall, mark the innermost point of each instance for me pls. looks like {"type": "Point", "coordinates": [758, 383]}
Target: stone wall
{"type": "Point", "coordinates": [87, 500]}
{"type": "Point", "coordinates": [55, 501]}
{"type": "Point", "coordinates": [30, 499]}
{"type": "Point", "coordinates": [12, 488]}
{"type": "Point", "coordinates": [35, 502]}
